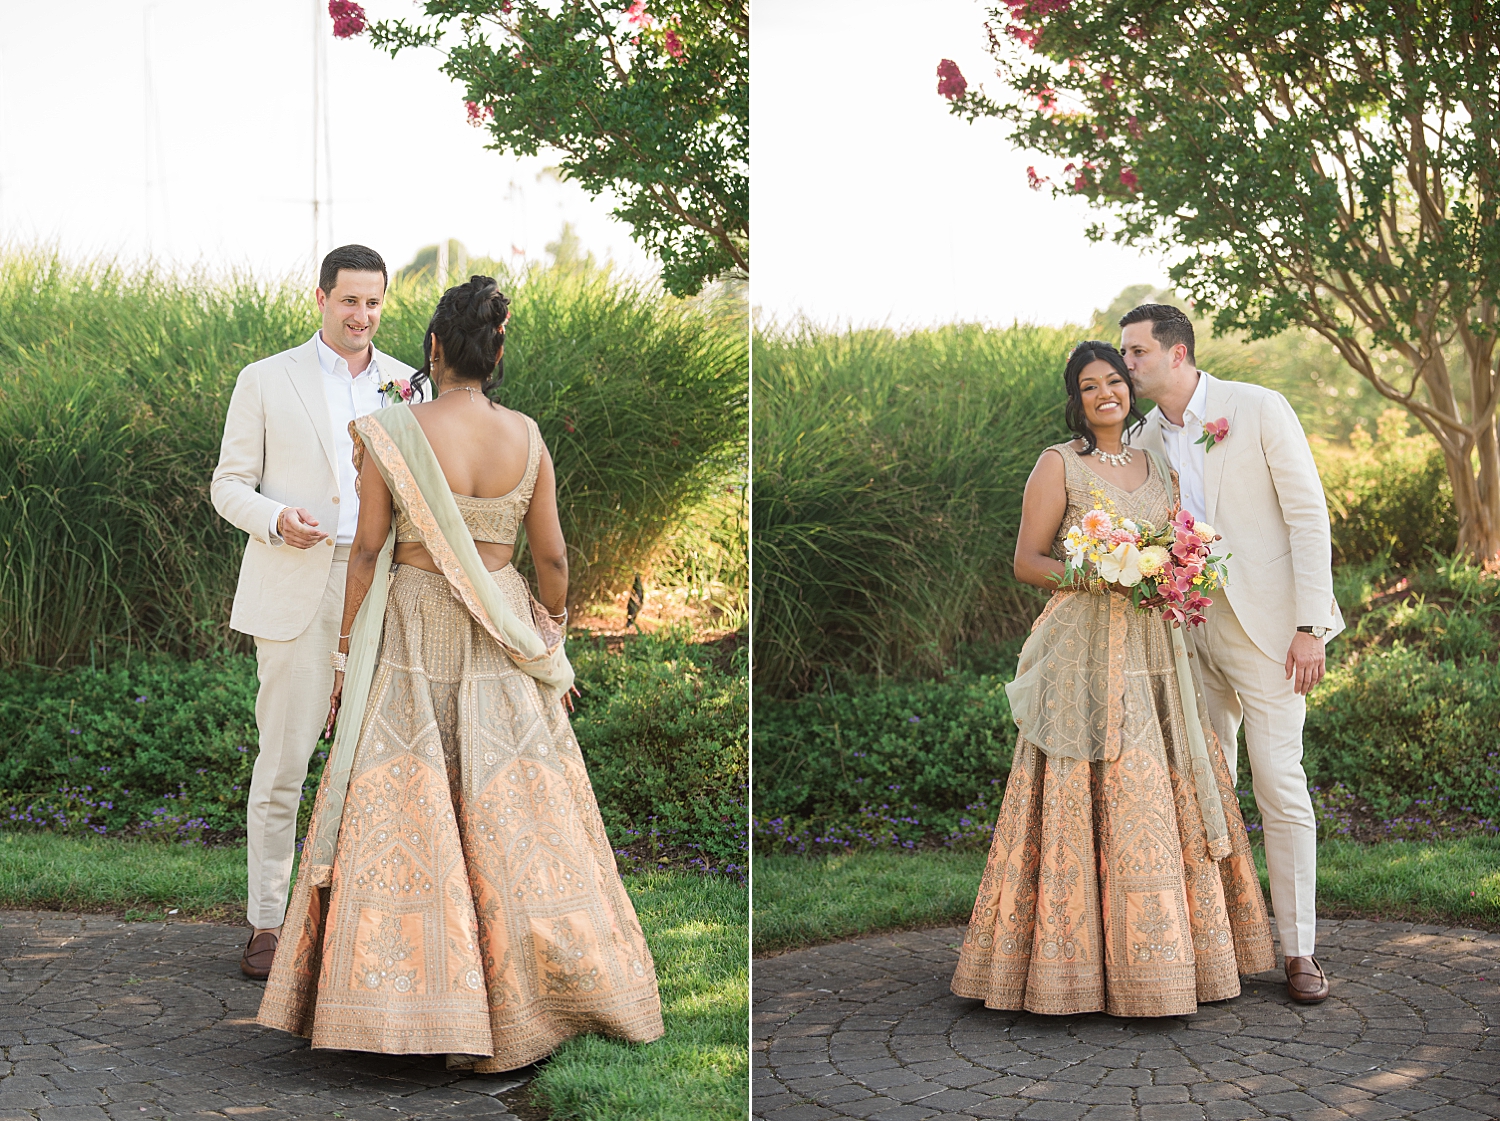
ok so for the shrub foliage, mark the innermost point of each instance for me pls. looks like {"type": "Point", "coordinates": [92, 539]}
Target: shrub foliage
{"type": "Point", "coordinates": [882, 764]}
{"type": "Point", "coordinates": [163, 748]}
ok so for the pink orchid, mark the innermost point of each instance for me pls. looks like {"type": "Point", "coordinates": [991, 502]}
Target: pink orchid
{"type": "Point", "coordinates": [1214, 432]}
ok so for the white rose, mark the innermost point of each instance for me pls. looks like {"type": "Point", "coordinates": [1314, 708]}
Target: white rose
{"type": "Point", "coordinates": [1121, 565]}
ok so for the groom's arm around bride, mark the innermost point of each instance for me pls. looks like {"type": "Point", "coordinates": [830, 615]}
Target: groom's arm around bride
{"type": "Point", "coordinates": [1246, 468]}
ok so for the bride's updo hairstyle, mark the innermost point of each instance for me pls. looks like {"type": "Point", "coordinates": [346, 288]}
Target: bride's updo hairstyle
{"type": "Point", "coordinates": [470, 323]}
{"type": "Point", "coordinates": [1073, 415]}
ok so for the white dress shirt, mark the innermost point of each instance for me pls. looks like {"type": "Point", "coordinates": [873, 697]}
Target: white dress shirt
{"type": "Point", "coordinates": [348, 397]}
{"type": "Point", "coordinates": [1184, 452]}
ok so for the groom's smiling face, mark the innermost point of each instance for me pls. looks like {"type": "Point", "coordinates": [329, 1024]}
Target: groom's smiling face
{"type": "Point", "coordinates": [351, 312]}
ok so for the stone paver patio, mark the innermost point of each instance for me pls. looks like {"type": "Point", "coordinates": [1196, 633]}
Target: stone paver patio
{"type": "Point", "coordinates": [102, 1019]}
{"type": "Point", "coordinates": [868, 1029]}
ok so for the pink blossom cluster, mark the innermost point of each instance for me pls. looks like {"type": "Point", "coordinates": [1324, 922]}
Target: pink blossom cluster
{"type": "Point", "coordinates": [951, 82]}
{"type": "Point", "coordinates": [1022, 12]}
{"type": "Point", "coordinates": [348, 18]}
{"type": "Point", "coordinates": [478, 114]}
{"type": "Point", "coordinates": [1185, 601]}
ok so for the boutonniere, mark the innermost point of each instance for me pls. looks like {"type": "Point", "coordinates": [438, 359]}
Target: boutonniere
{"type": "Point", "coordinates": [1214, 432]}
{"type": "Point", "coordinates": [396, 391]}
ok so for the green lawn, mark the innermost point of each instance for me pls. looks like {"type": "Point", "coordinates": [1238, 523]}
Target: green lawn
{"type": "Point", "coordinates": [697, 927]}
{"type": "Point", "coordinates": [804, 902]}
{"type": "Point", "coordinates": [141, 881]}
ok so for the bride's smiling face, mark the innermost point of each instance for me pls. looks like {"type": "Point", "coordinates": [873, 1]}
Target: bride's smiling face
{"type": "Point", "coordinates": [1105, 394]}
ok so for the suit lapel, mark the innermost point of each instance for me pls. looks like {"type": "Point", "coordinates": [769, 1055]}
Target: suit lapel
{"type": "Point", "coordinates": [1218, 402]}
{"type": "Point", "coordinates": [307, 379]}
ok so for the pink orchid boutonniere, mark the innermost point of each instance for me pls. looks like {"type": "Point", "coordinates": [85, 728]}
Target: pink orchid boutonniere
{"type": "Point", "coordinates": [1214, 432]}
{"type": "Point", "coordinates": [396, 391]}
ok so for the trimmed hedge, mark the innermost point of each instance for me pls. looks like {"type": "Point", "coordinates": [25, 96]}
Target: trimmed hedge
{"type": "Point", "coordinates": [163, 748]}
{"type": "Point", "coordinates": [883, 764]}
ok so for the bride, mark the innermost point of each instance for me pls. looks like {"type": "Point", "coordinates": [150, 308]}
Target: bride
{"type": "Point", "coordinates": [457, 893]}
{"type": "Point", "coordinates": [1119, 878]}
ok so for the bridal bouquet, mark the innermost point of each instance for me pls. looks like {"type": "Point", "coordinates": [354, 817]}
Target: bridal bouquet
{"type": "Point", "coordinates": [1171, 567]}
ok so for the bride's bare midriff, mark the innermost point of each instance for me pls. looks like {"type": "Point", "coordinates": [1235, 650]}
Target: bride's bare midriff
{"type": "Point", "coordinates": [414, 553]}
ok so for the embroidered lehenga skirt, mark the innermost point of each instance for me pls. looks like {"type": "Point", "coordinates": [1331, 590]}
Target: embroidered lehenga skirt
{"type": "Point", "coordinates": [1100, 893]}
{"type": "Point", "coordinates": [474, 907]}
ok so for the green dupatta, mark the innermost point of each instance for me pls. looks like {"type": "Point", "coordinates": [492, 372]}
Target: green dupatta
{"type": "Point", "coordinates": [411, 470]}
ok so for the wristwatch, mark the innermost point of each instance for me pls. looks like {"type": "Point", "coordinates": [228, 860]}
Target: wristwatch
{"type": "Point", "coordinates": [1316, 632]}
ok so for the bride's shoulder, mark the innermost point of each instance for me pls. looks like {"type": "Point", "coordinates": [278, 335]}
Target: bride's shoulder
{"type": "Point", "coordinates": [1060, 453]}
{"type": "Point", "coordinates": [1052, 464]}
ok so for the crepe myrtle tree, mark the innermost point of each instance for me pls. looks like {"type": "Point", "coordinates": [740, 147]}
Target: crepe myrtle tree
{"type": "Point", "coordinates": [1332, 165]}
{"type": "Point", "coordinates": [647, 99]}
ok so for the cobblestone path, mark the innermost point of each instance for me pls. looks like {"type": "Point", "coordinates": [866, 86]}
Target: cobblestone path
{"type": "Point", "coordinates": [106, 1019]}
{"type": "Point", "coordinates": [868, 1029]}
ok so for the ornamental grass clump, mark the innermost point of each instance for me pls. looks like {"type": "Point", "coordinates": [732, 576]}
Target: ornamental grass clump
{"type": "Point", "coordinates": [889, 470]}
{"type": "Point", "coordinates": [113, 389]}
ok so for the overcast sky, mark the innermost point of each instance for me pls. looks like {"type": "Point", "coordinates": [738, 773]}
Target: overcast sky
{"type": "Point", "coordinates": [870, 204]}
{"type": "Point", "coordinates": [221, 172]}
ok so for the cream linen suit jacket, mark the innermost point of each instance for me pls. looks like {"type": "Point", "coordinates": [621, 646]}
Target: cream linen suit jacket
{"type": "Point", "coordinates": [1261, 491]}
{"type": "Point", "coordinates": [278, 449]}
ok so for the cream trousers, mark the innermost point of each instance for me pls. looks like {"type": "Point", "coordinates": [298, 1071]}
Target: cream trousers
{"type": "Point", "coordinates": [290, 709]}
{"type": "Point", "coordinates": [1243, 685]}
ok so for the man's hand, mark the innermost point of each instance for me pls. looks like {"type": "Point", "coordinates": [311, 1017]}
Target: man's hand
{"type": "Point", "coordinates": [1305, 662]}
{"type": "Point", "coordinates": [298, 528]}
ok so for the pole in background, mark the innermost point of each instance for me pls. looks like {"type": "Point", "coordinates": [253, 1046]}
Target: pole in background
{"type": "Point", "coordinates": [322, 140]}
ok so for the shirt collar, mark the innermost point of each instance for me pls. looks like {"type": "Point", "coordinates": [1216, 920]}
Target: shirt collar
{"type": "Point", "coordinates": [1197, 405]}
{"type": "Point", "coordinates": [332, 362]}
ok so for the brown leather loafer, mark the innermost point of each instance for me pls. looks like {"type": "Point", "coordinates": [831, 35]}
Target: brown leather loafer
{"type": "Point", "coordinates": [260, 952]}
{"type": "Point", "coordinates": [1306, 983]}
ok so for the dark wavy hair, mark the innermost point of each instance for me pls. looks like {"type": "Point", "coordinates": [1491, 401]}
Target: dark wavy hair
{"type": "Point", "coordinates": [1169, 325]}
{"type": "Point", "coordinates": [1073, 415]}
{"type": "Point", "coordinates": [470, 323]}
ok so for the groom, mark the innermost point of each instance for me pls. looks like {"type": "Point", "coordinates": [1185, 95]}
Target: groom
{"type": "Point", "coordinates": [1261, 649]}
{"type": "Point", "coordinates": [286, 478]}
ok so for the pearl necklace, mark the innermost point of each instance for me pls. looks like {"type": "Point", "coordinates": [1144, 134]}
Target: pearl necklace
{"type": "Point", "coordinates": [1119, 459]}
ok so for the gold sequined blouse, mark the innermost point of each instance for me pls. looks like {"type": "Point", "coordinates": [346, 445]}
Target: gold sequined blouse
{"type": "Point", "coordinates": [496, 520]}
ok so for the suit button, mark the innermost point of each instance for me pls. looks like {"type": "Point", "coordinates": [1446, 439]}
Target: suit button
{"type": "Point", "coordinates": [329, 540]}
{"type": "Point", "coordinates": [335, 500]}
